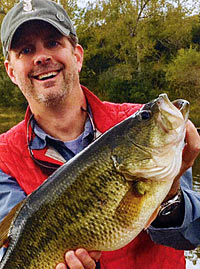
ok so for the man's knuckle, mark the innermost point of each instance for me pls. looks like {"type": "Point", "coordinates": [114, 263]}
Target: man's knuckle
{"type": "Point", "coordinates": [91, 264]}
{"type": "Point", "coordinates": [77, 267]}
{"type": "Point", "coordinates": [190, 164]}
{"type": "Point", "coordinates": [198, 147]}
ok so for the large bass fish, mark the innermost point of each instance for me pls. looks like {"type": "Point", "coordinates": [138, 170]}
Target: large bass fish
{"type": "Point", "coordinates": [103, 197]}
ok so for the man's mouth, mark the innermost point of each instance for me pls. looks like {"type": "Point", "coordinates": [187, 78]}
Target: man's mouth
{"type": "Point", "coordinates": [46, 76]}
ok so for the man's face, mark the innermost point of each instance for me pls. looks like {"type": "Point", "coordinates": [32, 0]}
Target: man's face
{"type": "Point", "coordinates": [43, 63]}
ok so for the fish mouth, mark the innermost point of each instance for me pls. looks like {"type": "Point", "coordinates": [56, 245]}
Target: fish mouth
{"type": "Point", "coordinates": [183, 106]}
{"type": "Point", "coordinates": [172, 114]}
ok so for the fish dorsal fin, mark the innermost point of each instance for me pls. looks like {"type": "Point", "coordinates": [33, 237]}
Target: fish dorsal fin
{"type": "Point", "coordinates": [6, 223]}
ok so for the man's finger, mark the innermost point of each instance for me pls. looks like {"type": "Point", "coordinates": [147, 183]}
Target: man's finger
{"type": "Point", "coordinates": [95, 255]}
{"type": "Point", "coordinates": [61, 266]}
{"type": "Point", "coordinates": [72, 260]}
{"type": "Point", "coordinates": [85, 258]}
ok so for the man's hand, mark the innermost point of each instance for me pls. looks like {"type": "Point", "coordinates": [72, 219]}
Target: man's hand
{"type": "Point", "coordinates": [190, 153]}
{"type": "Point", "coordinates": [80, 259]}
{"type": "Point", "coordinates": [192, 147]}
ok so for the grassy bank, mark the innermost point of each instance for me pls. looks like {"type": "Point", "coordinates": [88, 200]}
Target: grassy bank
{"type": "Point", "coordinates": [9, 117]}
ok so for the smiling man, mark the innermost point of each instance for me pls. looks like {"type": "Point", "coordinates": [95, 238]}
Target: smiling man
{"type": "Point", "coordinates": [45, 66]}
{"type": "Point", "coordinates": [36, 72]}
{"type": "Point", "coordinates": [43, 57]}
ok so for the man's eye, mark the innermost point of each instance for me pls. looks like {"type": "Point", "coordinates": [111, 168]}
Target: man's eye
{"type": "Point", "coordinates": [52, 44]}
{"type": "Point", "coordinates": [26, 51]}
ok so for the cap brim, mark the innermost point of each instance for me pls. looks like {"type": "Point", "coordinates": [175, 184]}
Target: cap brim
{"type": "Point", "coordinates": [63, 30]}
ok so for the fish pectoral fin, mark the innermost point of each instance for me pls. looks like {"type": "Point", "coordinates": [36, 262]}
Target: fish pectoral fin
{"type": "Point", "coordinates": [6, 223]}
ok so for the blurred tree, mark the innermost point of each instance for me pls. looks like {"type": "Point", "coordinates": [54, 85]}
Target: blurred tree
{"type": "Point", "coordinates": [131, 42]}
{"type": "Point", "coordinates": [10, 95]}
{"type": "Point", "coordinates": [183, 74]}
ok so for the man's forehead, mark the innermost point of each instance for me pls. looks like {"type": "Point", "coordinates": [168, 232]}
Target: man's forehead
{"type": "Point", "coordinates": [31, 29]}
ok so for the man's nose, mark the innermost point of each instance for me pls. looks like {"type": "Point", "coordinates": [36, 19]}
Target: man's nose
{"type": "Point", "coordinates": [42, 58]}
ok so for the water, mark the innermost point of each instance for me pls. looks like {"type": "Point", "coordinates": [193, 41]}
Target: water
{"type": "Point", "coordinates": [193, 257]}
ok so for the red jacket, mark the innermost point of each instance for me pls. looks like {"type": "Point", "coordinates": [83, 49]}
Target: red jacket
{"type": "Point", "coordinates": [15, 160]}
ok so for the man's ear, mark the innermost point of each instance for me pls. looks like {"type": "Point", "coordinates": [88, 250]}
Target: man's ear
{"type": "Point", "coordinates": [79, 52]}
{"type": "Point", "coordinates": [10, 71]}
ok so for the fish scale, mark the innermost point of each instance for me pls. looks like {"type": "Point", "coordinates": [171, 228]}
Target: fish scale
{"type": "Point", "coordinates": [97, 200]}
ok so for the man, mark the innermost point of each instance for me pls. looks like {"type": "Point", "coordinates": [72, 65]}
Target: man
{"type": "Point", "coordinates": [43, 58]}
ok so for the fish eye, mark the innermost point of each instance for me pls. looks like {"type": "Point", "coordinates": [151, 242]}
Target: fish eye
{"type": "Point", "coordinates": [145, 115]}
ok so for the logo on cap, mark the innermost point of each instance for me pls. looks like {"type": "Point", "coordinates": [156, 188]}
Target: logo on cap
{"type": "Point", "coordinates": [27, 5]}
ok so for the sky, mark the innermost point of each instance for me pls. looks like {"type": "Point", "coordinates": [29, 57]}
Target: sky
{"type": "Point", "coordinates": [190, 3]}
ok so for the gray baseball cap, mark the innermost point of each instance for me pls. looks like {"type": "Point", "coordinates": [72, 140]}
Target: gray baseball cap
{"type": "Point", "coordinates": [26, 10]}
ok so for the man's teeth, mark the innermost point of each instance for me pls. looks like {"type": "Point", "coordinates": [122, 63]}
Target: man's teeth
{"type": "Point", "coordinates": [47, 75]}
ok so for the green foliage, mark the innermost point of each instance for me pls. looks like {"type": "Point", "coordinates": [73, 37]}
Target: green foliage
{"type": "Point", "coordinates": [10, 94]}
{"type": "Point", "coordinates": [195, 112]}
{"type": "Point", "coordinates": [132, 41]}
{"type": "Point", "coordinates": [183, 74]}
{"type": "Point", "coordinates": [10, 116]}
